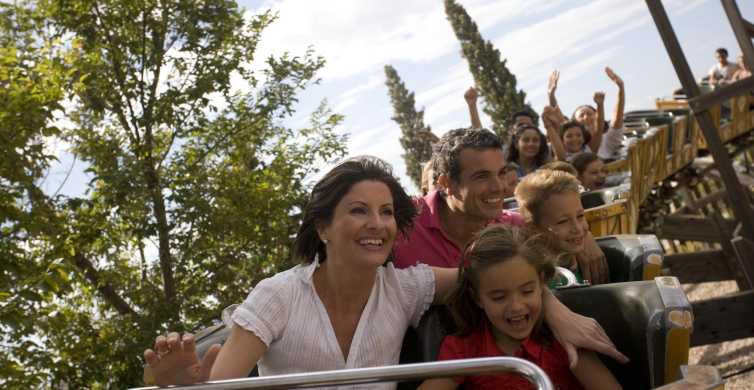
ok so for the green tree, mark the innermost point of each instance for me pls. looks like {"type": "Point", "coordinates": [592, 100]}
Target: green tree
{"type": "Point", "coordinates": [31, 89]}
{"type": "Point", "coordinates": [492, 77]}
{"type": "Point", "coordinates": [416, 137]}
{"type": "Point", "coordinates": [196, 185]}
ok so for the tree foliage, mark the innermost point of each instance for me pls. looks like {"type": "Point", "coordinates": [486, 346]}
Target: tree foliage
{"type": "Point", "coordinates": [416, 137]}
{"type": "Point", "coordinates": [493, 79]}
{"type": "Point", "coordinates": [196, 184]}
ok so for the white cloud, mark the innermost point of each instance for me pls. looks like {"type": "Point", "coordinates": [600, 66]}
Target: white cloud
{"type": "Point", "coordinates": [350, 97]}
{"type": "Point", "coordinates": [357, 36]}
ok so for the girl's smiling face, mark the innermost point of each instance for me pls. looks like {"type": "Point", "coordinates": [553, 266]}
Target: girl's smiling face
{"type": "Point", "coordinates": [573, 139]}
{"type": "Point", "coordinates": [529, 144]}
{"type": "Point", "coordinates": [510, 294]}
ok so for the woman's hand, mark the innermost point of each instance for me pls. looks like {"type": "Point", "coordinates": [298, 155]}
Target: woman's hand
{"type": "Point", "coordinates": [175, 361]}
{"type": "Point", "coordinates": [576, 331]}
{"type": "Point", "coordinates": [616, 79]}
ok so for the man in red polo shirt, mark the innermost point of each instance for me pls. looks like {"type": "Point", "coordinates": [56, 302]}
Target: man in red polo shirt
{"type": "Point", "coordinates": [469, 167]}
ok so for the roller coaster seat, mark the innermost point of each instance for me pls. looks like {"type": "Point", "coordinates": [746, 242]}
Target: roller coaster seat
{"type": "Point", "coordinates": [649, 321]}
{"type": "Point", "coordinates": [632, 256]}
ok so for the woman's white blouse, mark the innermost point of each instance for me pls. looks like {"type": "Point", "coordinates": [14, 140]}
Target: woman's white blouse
{"type": "Point", "coordinates": [285, 312]}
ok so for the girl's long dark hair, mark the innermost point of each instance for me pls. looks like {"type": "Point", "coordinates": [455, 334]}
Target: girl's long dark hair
{"type": "Point", "coordinates": [493, 245]}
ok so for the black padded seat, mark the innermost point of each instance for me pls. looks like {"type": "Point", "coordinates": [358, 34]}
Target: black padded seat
{"type": "Point", "coordinates": [628, 254]}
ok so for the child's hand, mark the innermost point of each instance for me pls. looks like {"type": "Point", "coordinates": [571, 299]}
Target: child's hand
{"type": "Point", "coordinates": [592, 261]}
{"type": "Point", "coordinates": [176, 362]}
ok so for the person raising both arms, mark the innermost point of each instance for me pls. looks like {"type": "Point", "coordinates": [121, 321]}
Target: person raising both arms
{"type": "Point", "coordinates": [607, 142]}
{"type": "Point", "coordinates": [497, 308]}
{"type": "Point", "coordinates": [345, 305]}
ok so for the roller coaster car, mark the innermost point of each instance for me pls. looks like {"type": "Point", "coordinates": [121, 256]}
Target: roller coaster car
{"type": "Point", "coordinates": [649, 321]}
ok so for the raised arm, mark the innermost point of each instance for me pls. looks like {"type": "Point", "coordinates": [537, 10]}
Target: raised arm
{"type": "Point", "coordinates": [620, 105]}
{"type": "Point", "coordinates": [471, 96]}
{"type": "Point", "coordinates": [599, 120]}
{"type": "Point", "coordinates": [576, 331]}
{"type": "Point", "coordinates": [552, 86]}
{"type": "Point", "coordinates": [553, 118]}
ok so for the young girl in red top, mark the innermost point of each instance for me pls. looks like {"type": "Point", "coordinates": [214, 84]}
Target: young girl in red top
{"type": "Point", "coordinates": [497, 306]}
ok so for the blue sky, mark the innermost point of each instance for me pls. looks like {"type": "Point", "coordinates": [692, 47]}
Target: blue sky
{"type": "Point", "coordinates": [580, 38]}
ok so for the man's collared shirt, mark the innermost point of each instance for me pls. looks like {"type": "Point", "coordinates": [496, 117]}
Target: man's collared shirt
{"type": "Point", "coordinates": [427, 243]}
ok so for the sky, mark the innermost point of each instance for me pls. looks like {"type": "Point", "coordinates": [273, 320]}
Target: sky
{"type": "Point", "coordinates": [579, 38]}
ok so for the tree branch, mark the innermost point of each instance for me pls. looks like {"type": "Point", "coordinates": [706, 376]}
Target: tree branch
{"type": "Point", "coordinates": [107, 291]}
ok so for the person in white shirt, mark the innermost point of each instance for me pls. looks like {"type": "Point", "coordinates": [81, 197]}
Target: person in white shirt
{"type": "Point", "coordinates": [345, 306]}
{"type": "Point", "coordinates": [722, 72]}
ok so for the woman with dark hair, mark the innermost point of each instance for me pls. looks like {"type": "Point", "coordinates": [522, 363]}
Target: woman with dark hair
{"type": "Point", "coordinates": [528, 149]}
{"type": "Point", "coordinates": [344, 306]}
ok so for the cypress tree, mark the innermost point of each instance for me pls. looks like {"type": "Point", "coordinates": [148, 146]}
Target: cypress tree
{"type": "Point", "coordinates": [493, 79]}
{"type": "Point", "coordinates": [416, 137]}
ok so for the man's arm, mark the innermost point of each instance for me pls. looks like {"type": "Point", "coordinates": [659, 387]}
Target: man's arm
{"type": "Point", "coordinates": [576, 331]}
{"type": "Point", "coordinates": [471, 96]}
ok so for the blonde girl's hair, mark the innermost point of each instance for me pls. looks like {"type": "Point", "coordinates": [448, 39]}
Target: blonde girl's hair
{"type": "Point", "coordinates": [535, 188]}
{"type": "Point", "coordinates": [493, 245]}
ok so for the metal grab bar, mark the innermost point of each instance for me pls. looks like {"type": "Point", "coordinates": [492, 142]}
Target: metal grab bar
{"type": "Point", "coordinates": [396, 373]}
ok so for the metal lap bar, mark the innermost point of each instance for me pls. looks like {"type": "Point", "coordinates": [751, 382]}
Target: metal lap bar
{"type": "Point", "coordinates": [397, 373]}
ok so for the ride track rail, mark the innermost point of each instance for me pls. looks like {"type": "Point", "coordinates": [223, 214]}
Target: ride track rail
{"type": "Point", "coordinates": [396, 373]}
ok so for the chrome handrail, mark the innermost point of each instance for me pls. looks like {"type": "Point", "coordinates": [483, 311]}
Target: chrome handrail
{"type": "Point", "coordinates": [401, 372]}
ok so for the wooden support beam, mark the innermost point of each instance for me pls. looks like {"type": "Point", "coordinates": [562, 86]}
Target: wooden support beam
{"type": "Point", "coordinates": [726, 234]}
{"type": "Point", "coordinates": [722, 319]}
{"type": "Point", "coordinates": [738, 198]}
{"type": "Point", "coordinates": [698, 267]}
{"type": "Point", "coordinates": [688, 227]}
{"type": "Point", "coordinates": [744, 250]}
{"type": "Point", "coordinates": [704, 102]}
{"type": "Point", "coordinates": [742, 29]}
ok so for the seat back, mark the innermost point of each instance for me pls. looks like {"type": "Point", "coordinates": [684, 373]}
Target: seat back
{"type": "Point", "coordinates": [632, 256]}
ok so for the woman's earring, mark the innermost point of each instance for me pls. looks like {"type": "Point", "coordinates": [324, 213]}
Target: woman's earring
{"type": "Point", "coordinates": [324, 240]}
